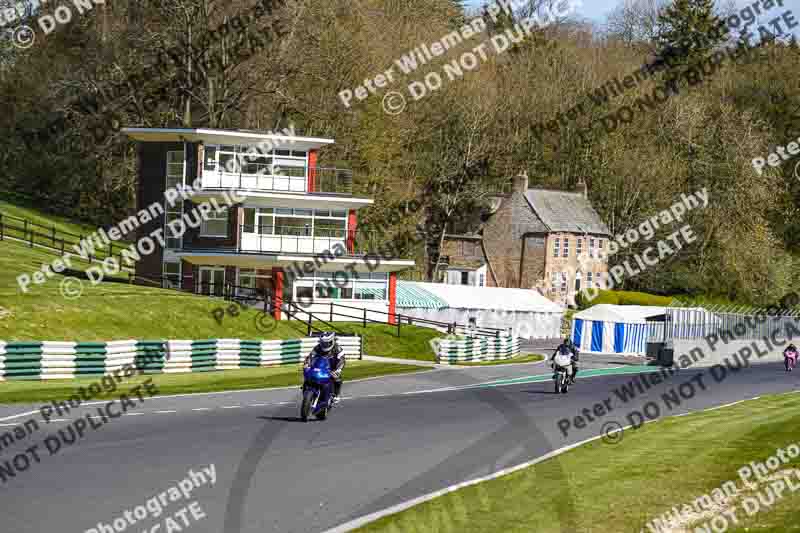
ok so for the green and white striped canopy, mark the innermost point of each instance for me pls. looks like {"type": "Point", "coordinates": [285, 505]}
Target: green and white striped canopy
{"type": "Point", "coordinates": [409, 295]}
{"type": "Point", "coordinates": [377, 293]}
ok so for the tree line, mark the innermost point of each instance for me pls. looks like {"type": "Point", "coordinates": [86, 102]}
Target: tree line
{"type": "Point", "coordinates": [269, 64]}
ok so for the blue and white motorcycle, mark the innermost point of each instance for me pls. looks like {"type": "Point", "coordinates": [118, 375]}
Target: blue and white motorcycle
{"type": "Point", "coordinates": [317, 389]}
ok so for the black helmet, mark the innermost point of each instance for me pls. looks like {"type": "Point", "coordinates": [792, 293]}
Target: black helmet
{"type": "Point", "coordinates": [327, 341]}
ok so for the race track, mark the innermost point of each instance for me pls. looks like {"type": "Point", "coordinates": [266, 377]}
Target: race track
{"type": "Point", "coordinates": [391, 440]}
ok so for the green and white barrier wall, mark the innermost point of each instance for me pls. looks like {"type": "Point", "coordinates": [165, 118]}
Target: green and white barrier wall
{"type": "Point", "coordinates": [65, 360]}
{"type": "Point", "coordinates": [476, 349]}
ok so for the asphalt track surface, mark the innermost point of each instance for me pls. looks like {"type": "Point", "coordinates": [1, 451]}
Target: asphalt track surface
{"type": "Point", "coordinates": [392, 439]}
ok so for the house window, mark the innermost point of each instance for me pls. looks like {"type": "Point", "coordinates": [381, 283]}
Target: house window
{"type": "Point", "coordinates": [482, 280]}
{"type": "Point", "coordinates": [566, 248]}
{"type": "Point", "coordinates": [564, 282]}
{"type": "Point", "coordinates": [215, 225]}
{"type": "Point", "coordinates": [579, 247]}
{"type": "Point", "coordinates": [342, 286]}
{"type": "Point", "coordinates": [578, 281]}
{"type": "Point", "coordinates": [175, 168]}
{"type": "Point", "coordinates": [589, 280]}
{"type": "Point", "coordinates": [174, 177]}
{"type": "Point", "coordinates": [250, 160]}
{"type": "Point", "coordinates": [556, 246]}
{"type": "Point", "coordinates": [171, 240]}
{"type": "Point", "coordinates": [246, 284]}
{"type": "Point", "coordinates": [598, 280]}
{"type": "Point", "coordinates": [296, 222]}
{"type": "Point", "coordinates": [465, 278]}
{"type": "Point", "coordinates": [591, 247]}
{"type": "Point", "coordinates": [211, 281]}
{"type": "Point", "coordinates": [171, 275]}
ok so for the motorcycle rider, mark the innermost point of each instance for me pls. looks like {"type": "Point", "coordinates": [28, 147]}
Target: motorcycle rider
{"type": "Point", "coordinates": [790, 353]}
{"type": "Point", "coordinates": [568, 348]}
{"type": "Point", "coordinates": [328, 347]}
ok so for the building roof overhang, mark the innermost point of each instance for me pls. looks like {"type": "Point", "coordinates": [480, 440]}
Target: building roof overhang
{"type": "Point", "coordinates": [296, 261]}
{"type": "Point", "coordinates": [218, 136]}
{"type": "Point", "coordinates": [284, 199]}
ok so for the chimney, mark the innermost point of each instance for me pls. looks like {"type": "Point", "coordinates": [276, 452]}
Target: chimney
{"type": "Point", "coordinates": [521, 183]}
{"type": "Point", "coordinates": [581, 188]}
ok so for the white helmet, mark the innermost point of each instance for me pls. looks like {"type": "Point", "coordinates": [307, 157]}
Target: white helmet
{"type": "Point", "coordinates": [327, 340]}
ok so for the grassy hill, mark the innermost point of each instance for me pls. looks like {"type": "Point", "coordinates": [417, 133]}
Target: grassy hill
{"type": "Point", "coordinates": [115, 311]}
{"type": "Point", "coordinates": [37, 217]}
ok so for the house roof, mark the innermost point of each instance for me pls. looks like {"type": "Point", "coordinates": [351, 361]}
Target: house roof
{"type": "Point", "coordinates": [566, 211]}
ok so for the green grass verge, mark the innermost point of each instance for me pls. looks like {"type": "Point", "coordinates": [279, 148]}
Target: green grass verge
{"type": "Point", "coordinates": [118, 311]}
{"type": "Point", "coordinates": [382, 340]}
{"type": "Point", "coordinates": [252, 378]}
{"type": "Point", "coordinates": [31, 213]}
{"type": "Point", "coordinates": [524, 358]}
{"type": "Point", "coordinates": [622, 487]}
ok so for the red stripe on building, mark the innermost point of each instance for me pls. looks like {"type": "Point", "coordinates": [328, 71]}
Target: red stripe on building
{"type": "Point", "coordinates": [312, 170]}
{"type": "Point", "coordinates": [392, 297]}
{"type": "Point", "coordinates": [277, 281]}
{"type": "Point", "coordinates": [352, 223]}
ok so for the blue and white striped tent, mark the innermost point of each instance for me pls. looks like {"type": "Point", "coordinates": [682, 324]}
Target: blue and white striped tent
{"type": "Point", "coordinates": [616, 329]}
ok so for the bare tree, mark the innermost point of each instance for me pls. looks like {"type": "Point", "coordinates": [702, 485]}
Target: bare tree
{"type": "Point", "coordinates": [635, 22]}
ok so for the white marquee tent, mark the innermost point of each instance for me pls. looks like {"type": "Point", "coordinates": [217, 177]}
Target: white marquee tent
{"type": "Point", "coordinates": [525, 312]}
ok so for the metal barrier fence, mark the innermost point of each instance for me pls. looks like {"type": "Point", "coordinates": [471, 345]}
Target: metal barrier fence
{"type": "Point", "coordinates": [699, 323]}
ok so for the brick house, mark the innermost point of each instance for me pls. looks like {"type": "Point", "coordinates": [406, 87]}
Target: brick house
{"type": "Point", "coordinates": [549, 240]}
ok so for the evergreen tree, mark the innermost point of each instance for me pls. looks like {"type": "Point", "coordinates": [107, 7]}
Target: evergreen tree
{"type": "Point", "coordinates": [688, 31]}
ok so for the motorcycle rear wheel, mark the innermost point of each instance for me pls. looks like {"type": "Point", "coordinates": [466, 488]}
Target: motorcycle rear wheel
{"type": "Point", "coordinates": [308, 400]}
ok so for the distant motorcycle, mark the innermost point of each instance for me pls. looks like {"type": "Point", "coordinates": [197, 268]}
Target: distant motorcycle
{"type": "Point", "coordinates": [562, 366]}
{"type": "Point", "coordinates": [317, 389]}
{"type": "Point", "coordinates": [790, 359]}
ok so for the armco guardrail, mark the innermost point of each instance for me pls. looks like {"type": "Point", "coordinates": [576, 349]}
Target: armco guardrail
{"type": "Point", "coordinates": [65, 360]}
{"type": "Point", "coordinates": [471, 349]}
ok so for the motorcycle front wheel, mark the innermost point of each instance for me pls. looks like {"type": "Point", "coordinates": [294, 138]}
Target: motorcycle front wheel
{"type": "Point", "coordinates": [308, 401]}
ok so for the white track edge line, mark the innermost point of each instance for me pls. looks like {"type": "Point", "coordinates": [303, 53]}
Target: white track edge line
{"type": "Point", "coordinates": [366, 519]}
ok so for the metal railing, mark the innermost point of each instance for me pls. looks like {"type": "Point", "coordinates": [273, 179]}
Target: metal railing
{"type": "Point", "coordinates": [57, 241]}
{"type": "Point", "coordinates": [322, 242]}
{"type": "Point", "coordinates": [399, 319]}
{"type": "Point", "coordinates": [323, 180]}
{"type": "Point", "coordinates": [695, 324]}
